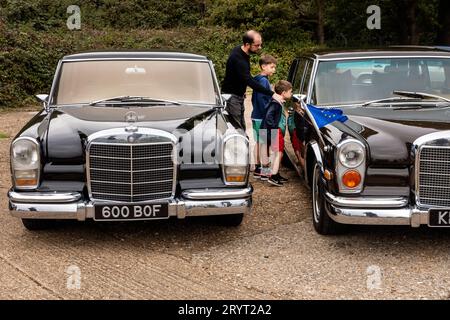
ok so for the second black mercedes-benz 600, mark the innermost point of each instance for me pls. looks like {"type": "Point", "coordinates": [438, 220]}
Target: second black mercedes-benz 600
{"type": "Point", "coordinates": [389, 162]}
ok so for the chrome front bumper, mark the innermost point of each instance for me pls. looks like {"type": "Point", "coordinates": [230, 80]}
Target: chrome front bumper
{"type": "Point", "coordinates": [374, 211]}
{"type": "Point", "coordinates": [69, 205]}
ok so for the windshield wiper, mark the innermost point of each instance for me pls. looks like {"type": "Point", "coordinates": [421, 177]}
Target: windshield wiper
{"type": "Point", "coordinates": [390, 99]}
{"type": "Point", "coordinates": [133, 99]}
{"type": "Point", "coordinates": [419, 95]}
{"type": "Point", "coordinates": [407, 96]}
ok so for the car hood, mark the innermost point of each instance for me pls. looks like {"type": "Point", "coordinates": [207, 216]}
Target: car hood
{"type": "Point", "coordinates": [390, 132]}
{"type": "Point", "coordinates": [69, 126]}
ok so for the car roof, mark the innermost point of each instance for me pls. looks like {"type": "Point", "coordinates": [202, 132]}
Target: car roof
{"type": "Point", "coordinates": [134, 55]}
{"type": "Point", "coordinates": [393, 51]}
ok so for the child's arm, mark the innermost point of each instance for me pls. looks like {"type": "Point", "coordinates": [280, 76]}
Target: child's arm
{"type": "Point", "coordinates": [270, 116]}
{"type": "Point", "coordinates": [266, 98]}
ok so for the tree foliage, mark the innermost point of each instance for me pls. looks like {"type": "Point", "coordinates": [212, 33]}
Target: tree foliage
{"type": "Point", "coordinates": [33, 33]}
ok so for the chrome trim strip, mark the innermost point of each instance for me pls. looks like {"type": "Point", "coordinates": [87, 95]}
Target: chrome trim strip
{"type": "Point", "coordinates": [122, 144]}
{"type": "Point", "coordinates": [131, 144]}
{"type": "Point", "coordinates": [216, 83]}
{"type": "Point", "coordinates": [312, 81]}
{"type": "Point", "coordinates": [54, 82]}
{"type": "Point", "coordinates": [150, 170]}
{"type": "Point", "coordinates": [135, 59]}
{"type": "Point", "coordinates": [131, 183]}
{"type": "Point", "coordinates": [367, 202]}
{"type": "Point", "coordinates": [127, 195]}
{"type": "Point", "coordinates": [314, 146]}
{"type": "Point", "coordinates": [102, 202]}
{"type": "Point", "coordinates": [144, 131]}
{"type": "Point", "coordinates": [432, 136]}
{"type": "Point", "coordinates": [149, 194]}
{"type": "Point", "coordinates": [393, 56]}
{"type": "Point", "coordinates": [209, 194]}
{"type": "Point", "coordinates": [44, 197]}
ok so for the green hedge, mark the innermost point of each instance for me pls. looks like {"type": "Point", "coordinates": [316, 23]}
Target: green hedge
{"type": "Point", "coordinates": [28, 57]}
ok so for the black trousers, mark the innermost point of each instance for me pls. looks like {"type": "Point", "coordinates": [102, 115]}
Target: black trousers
{"type": "Point", "coordinates": [235, 107]}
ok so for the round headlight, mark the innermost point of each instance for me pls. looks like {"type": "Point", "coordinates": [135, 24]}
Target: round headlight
{"type": "Point", "coordinates": [25, 154]}
{"type": "Point", "coordinates": [235, 152]}
{"type": "Point", "coordinates": [351, 154]}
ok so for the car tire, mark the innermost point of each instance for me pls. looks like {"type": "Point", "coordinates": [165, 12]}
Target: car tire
{"type": "Point", "coordinates": [37, 224]}
{"type": "Point", "coordinates": [230, 220]}
{"type": "Point", "coordinates": [323, 224]}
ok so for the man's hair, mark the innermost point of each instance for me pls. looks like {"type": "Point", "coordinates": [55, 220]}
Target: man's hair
{"type": "Point", "coordinates": [267, 59]}
{"type": "Point", "coordinates": [249, 37]}
{"type": "Point", "coordinates": [282, 86]}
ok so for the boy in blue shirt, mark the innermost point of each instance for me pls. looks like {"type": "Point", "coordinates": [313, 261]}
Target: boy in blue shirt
{"type": "Point", "coordinates": [260, 101]}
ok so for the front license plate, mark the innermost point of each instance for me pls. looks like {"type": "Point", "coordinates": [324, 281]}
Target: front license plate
{"type": "Point", "coordinates": [147, 211]}
{"type": "Point", "coordinates": [439, 217]}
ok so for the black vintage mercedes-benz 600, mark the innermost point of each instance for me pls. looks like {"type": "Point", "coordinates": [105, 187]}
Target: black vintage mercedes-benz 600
{"type": "Point", "coordinates": [389, 162]}
{"type": "Point", "coordinates": [130, 136]}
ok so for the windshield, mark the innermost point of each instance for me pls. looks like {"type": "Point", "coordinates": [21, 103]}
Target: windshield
{"type": "Point", "coordinates": [359, 81]}
{"type": "Point", "coordinates": [182, 81]}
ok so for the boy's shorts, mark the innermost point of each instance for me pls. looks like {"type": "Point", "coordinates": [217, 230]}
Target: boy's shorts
{"type": "Point", "coordinates": [256, 123]}
{"type": "Point", "coordinates": [296, 142]}
{"type": "Point", "coordinates": [277, 143]}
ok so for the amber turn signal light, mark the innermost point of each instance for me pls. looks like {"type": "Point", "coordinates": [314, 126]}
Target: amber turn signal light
{"type": "Point", "coordinates": [351, 179]}
{"type": "Point", "coordinates": [235, 178]}
{"type": "Point", "coordinates": [26, 182]}
{"type": "Point", "coordinates": [328, 175]}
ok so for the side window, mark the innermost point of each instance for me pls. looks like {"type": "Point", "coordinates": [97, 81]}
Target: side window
{"type": "Point", "coordinates": [292, 70]}
{"type": "Point", "coordinates": [306, 77]}
{"type": "Point", "coordinates": [298, 77]}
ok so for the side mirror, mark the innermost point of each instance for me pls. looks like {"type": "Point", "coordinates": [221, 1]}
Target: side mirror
{"type": "Point", "coordinates": [44, 99]}
{"type": "Point", "coordinates": [299, 98]}
{"type": "Point", "coordinates": [225, 98]}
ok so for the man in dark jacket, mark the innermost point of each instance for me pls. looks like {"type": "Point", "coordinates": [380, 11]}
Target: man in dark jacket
{"type": "Point", "coordinates": [238, 77]}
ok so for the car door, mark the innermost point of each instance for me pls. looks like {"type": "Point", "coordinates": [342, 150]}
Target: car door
{"type": "Point", "coordinates": [299, 75]}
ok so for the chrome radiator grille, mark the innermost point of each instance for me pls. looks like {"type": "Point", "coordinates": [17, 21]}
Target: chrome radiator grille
{"type": "Point", "coordinates": [434, 176]}
{"type": "Point", "coordinates": [130, 172]}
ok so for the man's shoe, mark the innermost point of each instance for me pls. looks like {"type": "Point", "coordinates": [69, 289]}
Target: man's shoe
{"type": "Point", "coordinates": [274, 180]}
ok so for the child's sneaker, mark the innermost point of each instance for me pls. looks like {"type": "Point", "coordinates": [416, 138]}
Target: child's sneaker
{"type": "Point", "coordinates": [275, 180]}
{"type": "Point", "coordinates": [257, 173]}
{"type": "Point", "coordinates": [265, 173]}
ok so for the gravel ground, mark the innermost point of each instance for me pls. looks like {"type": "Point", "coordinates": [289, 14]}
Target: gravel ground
{"type": "Point", "coordinates": [274, 254]}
